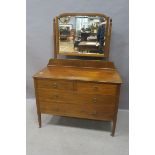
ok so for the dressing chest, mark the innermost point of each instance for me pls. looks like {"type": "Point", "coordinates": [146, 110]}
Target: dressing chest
{"type": "Point", "coordinates": [78, 88]}
{"type": "Point", "coordinates": [86, 89]}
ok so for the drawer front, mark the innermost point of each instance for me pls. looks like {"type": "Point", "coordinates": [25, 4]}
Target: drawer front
{"type": "Point", "coordinates": [96, 99]}
{"type": "Point", "coordinates": [60, 108]}
{"type": "Point", "coordinates": [81, 111]}
{"type": "Point", "coordinates": [101, 116]}
{"type": "Point", "coordinates": [49, 106]}
{"type": "Point", "coordinates": [55, 84]}
{"type": "Point", "coordinates": [55, 95]}
{"type": "Point", "coordinates": [96, 88]}
{"type": "Point", "coordinates": [76, 98]}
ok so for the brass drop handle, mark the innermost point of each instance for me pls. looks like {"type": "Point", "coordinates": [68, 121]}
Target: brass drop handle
{"type": "Point", "coordinates": [95, 88]}
{"type": "Point", "coordinates": [56, 109]}
{"type": "Point", "coordinates": [54, 85]}
{"type": "Point", "coordinates": [94, 100]}
{"type": "Point", "coordinates": [55, 96]}
{"type": "Point", "coordinates": [82, 111]}
{"type": "Point", "coordinates": [94, 113]}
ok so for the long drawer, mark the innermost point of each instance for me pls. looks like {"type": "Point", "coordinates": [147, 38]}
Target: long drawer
{"type": "Point", "coordinates": [82, 111]}
{"type": "Point", "coordinates": [96, 88]}
{"type": "Point", "coordinates": [76, 98]}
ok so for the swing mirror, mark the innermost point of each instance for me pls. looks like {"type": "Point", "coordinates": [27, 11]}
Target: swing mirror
{"type": "Point", "coordinates": [82, 34]}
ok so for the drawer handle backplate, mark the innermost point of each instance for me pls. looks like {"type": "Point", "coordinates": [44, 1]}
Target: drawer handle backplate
{"type": "Point", "coordinates": [95, 87]}
{"type": "Point", "coordinates": [55, 96]}
{"type": "Point", "coordinates": [54, 85]}
{"type": "Point", "coordinates": [93, 113]}
{"type": "Point", "coordinates": [56, 109]}
{"type": "Point", "coordinates": [94, 100]}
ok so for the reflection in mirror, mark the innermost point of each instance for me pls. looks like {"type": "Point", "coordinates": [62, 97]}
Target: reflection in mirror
{"type": "Point", "coordinates": [82, 34]}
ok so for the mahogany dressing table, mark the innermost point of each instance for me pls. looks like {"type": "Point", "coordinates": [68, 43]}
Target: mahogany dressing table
{"type": "Point", "coordinates": [86, 89]}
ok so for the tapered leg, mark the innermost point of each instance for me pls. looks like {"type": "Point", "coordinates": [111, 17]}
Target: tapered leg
{"type": "Point", "coordinates": [39, 119]}
{"type": "Point", "coordinates": [114, 126]}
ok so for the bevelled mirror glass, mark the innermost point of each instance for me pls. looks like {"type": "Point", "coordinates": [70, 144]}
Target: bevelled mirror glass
{"type": "Point", "coordinates": [83, 34]}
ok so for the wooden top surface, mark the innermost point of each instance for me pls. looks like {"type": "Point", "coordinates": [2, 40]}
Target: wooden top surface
{"type": "Point", "coordinates": [80, 73]}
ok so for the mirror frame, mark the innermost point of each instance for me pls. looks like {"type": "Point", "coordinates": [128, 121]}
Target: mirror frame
{"type": "Point", "coordinates": [107, 36]}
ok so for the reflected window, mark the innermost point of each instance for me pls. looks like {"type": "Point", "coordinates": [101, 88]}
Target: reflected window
{"type": "Point", "coordinates": [81, 23]}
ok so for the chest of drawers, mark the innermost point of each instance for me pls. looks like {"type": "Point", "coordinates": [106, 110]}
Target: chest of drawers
{"type": "Point", "coordinates": [77, 88]}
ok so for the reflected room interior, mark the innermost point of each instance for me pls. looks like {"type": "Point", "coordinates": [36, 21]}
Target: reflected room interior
{"type": "Point", "coordinates": [82, 34]}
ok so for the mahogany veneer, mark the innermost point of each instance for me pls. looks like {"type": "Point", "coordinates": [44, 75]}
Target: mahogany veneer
{"type": "Point", "coordinates": [78, 88]}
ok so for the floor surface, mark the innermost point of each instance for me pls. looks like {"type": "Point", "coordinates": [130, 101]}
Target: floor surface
{"type": "Point", "coordinates": [71, 136]}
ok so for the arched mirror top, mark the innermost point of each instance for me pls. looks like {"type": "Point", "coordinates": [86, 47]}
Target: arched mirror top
{"type": "Point", "coordinates": [82, 34]}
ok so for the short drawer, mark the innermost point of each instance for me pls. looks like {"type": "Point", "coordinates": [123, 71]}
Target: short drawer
{"type": "Point", "coordinates": [96, 88]}
{"type": "Point", "coordinates": [55, 84]}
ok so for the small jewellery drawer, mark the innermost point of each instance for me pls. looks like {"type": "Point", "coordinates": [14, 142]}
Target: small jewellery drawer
{"type": "Point", "coordinates": [96, 88]}
{"type": "Point", "coordinates": [55, 84]}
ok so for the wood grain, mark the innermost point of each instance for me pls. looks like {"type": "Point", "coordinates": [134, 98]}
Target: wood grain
{"type": "Point", "coordinates": [76, 88]}
{"type": "Point", "coordinates": [75, 97]}
{"type": "Point", "coordinates": [81, 111]}
{"type": "Point", "coordinates": [96, 88]}
{"type": "Point", "coordinates": [81, 63]}
{"type": "Point", "coordinates": [55, 84]}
